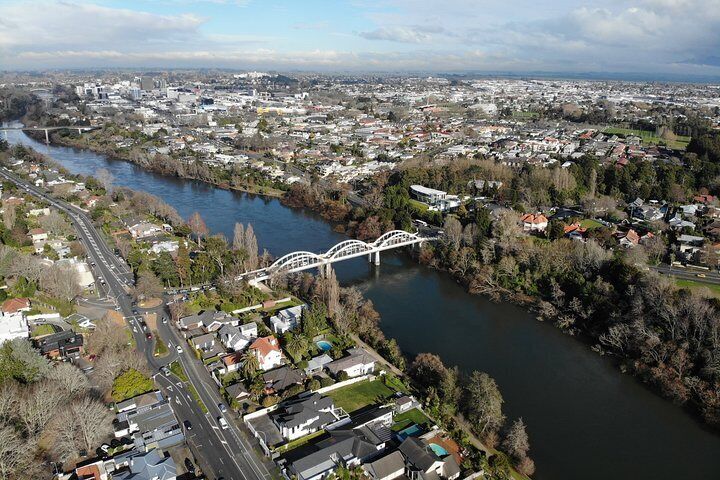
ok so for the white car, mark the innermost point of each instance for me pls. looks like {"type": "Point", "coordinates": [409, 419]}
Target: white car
{"type": "Point", "coordinates": [223, 423]}
{"type": "Point", "coordinates": [179, 349]}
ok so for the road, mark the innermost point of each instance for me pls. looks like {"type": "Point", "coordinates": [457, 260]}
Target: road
{"type": "Point", "coordinates": [221, 453]}
{"type": "Point", "coordinates": [684, 273]}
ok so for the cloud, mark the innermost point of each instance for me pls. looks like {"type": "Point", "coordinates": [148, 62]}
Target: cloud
{"type": "Point", "coordinates": [403, 34]}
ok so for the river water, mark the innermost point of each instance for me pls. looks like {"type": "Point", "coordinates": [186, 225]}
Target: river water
{"type": "Point", "coordinates": [585, 419]}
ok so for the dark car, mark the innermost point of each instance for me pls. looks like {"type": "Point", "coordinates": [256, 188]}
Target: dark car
{"type": "Point", "coordinates": [189, 465]}
{"type": "Point", "coordinates": [148, 336]}
{"type": "Point", "coordinates": [187, 424]}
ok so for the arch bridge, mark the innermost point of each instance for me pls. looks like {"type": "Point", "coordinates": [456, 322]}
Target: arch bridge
{"type": "Point", "coordinates": [302, 260]}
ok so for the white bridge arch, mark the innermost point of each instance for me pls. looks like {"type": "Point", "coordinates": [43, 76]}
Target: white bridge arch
{"type": "Point", "coordinates": [345, 250]}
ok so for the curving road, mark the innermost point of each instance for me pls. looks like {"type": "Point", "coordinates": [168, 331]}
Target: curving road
{"type": "Point", "coordinates": [221, 453]}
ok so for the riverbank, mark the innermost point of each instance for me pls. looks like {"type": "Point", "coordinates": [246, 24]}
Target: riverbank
{"type": "Point", "coordinates": [159, 168]}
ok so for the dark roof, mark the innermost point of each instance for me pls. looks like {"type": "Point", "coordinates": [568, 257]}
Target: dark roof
{"type": "Point", "coordinates": [418, 454]}
{"type": "Point", "coordinates": [65, 340]}
{"type": "Point", "coordinates": [299, 411]}
{"type": "Point", "coordinates": [284, 377]}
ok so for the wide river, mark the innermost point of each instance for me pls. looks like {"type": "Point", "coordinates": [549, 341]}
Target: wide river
{"type": "Point", "coordinates": [586, 420]}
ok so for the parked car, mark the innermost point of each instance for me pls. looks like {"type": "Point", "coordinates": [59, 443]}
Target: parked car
{"type": "Point", "coordinates": [187, 424]}
{"type": "Point", "coordinates": [189, 465]}
{"type": "Point", "coordinates": [222, 407]}
{"type": "Point", "coordinates": [179, 349]}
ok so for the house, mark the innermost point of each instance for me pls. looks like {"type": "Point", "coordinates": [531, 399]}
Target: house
{"type": "Point", "coordinates": [344, 448]}
{"type": "Point", "coordinates": [15, 305]}
{"type": "Point", "coordinates": [423, 463]}
{"type": "Point", "coordinates": [144, 229]}
{"type": "Point", "coordinates": [237, 391]}
{"type": "Point", "coordinates": [629, 239]}
{"type": "Point", "coordinates": [357, 362]}
{"type": "Point", "coordinates": [12, 326]}
{"type": "Point", "coordinates": [282, 378]}
{"type": "Point", "coordinates": [287, 319]}
{"type": "Point", "coordinates": [144, 400]}
{"type": "Point", "coordinates": [37, 234]}
{"type": "Point", "coordinates": [267, 351]}
{"type": "Point", "coordinates": [152, 424]}
{"type": "Point", "coordinates": [388, 467]}
{"type": "Point", "coordinates": [62, 345]}
{"type": "Point", "coordinates": [210, 320]}
{"type": "Point", "coordinates": [405, 403]}
{"type": "Point", "coordinates": [302, 416]}
{"type": "Point", "coordinates": [237, 337]}
{"type": "Point", "coordinates": [534, 222]}
{"type": "Point", "coordinates": [150, 465]}
{"type": "Point", "coordinates": [317, 364]}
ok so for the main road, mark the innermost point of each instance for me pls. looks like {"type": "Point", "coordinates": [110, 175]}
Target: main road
{"type": "Point", "coordinates": [222, 453]}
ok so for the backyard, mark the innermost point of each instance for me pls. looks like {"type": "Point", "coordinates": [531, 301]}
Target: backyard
{"type": "Point", "coordinates": [361, 394]}
{"type": "Point", "coordinates": [649, 138]}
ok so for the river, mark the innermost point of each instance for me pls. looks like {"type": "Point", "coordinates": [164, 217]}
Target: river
{"type": "Point", "coordinates": [585, 419]}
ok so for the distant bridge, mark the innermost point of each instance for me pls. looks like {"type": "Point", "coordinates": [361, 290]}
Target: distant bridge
{"type": "Point", "coordinates": [301, 260]}
{"type": "Point", "coordinates": [47, 130]}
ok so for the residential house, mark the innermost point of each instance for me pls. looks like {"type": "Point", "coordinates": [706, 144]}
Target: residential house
{"type": "Point", "coordinates": [267, 351]}
{"type": "Point", "coordinates": [388, 467]}
{"type": "Point", "coordinates": [280, 379]}
{"type": "Point", "coordinates": [149, 465]}
{"type": "Point", "coordinates": [64, 345]}
{"type": "Point", "coordinates": [236, 337]}
{"type": "Point", "coordinates": [13, 325]}
{"type": "Point", "coordinates": [209, 320]}
{"type": "Point", "coordinates": [534, 222]}
{"type": "Point", "coordinates": [15, 305]}
{"type": "Point", "coordinates": [357, 362]}
{"type": "Point", "coordinates": [143, 229]}
{"type": "Point", "coordinates": [302, 416]}
{"type": "Point", "coordinates": [344, 448]}
{"type": "Point", "coordinates": [317, 364]}
{"type": "Point", "coordinates": [37, 234]}
{"type": "Point", "coordinates": [237, 391]}
{"type": "Point", "coordinates": [423, 463]}
{"type": "Point", "coordinates": [629, 239]}
{"type": "Point", "coordinates": [152, 425]}
{"type": "Point", "coordinates": [287, 319]}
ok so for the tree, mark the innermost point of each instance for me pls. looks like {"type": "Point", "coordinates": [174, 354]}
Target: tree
{"type": "Point", "coordinates": [165, 268]}
{"type": "Point", "coordinates": [216, 248]}
{"type": "Point", "coordinates": [250, 364]}
{"type": "Point", "coordinates": [332, 293]}
{"type": "Point", "coordinates": [105, 178]}
{"type": "Point", "coordinates": [296, 345]}
{"type": "Point", "coordinates": [81, 426]}
{"type": "Point", "coordinates": [70, 378]}
{"type": "Point", "coordinates": [516, 442]}
{"type": "Point", "coordinates": [19, 360]}
{"type": "Point", "coordinates": [251, 248]}
{"type": "Point", "coordinates": [182, 264]}
{"type": "Point", "coordinates": [198, 227]}
{"type": "Point", "coordinates": [148, 286]}
{"type": "Point", "coordinates": [484, 403]}
{"type": "Point", "coordinates": [61, 281]}
{"type": "Point", "coordinates": [453, 231]}
{"type": "Point", "coordinates": [314, 319]}
{"type": "Point", "coordinates": [131, 384]}
{"type": "Point", "coordinates": [16, 452]}
{"type": "Point", "coordinates": [238, 237]}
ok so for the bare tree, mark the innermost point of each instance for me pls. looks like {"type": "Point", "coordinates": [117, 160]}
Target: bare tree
{"type": "Point", "coordinates": [38, 404]}
{"type": "Point", "coordinates": [251, 247]}
{"type": "Point", "coordinates": [56, 224]}
{"type": "Point", "coordinates": [198, 227]}
{"type": "Point", "coordinates": [15, 452]}
{"type": "Point", "coordinates": [9, 216]}
{"type": "Point", "coordinates": [453, 231]}
{"type": "Point", "coordinates": [148, 286]}
{"type": "Point", "coordinates": [105, 178]}
{"type": "Point", "coordinates": [81, 425]}
{"type": "Point", "coordinates": [69, 377]}
{"type": "Point", "coordinates": [61, 281]}
{"type": "Point", "coordinates": [238, 237]}
{"type": "Point", "coordinates": [332, 293]}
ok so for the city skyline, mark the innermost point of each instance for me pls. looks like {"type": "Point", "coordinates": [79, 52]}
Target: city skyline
{"type": "Point", "coordinates": [660, 38]}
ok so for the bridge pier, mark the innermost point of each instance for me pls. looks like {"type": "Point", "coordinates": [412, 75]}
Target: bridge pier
{"type": "Point", "coordinates": [374, 257]}
{"type": "Point", "coordinates": [47, 137]}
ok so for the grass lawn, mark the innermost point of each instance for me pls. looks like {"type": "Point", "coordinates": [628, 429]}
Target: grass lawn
{"type": "Point", "coordinates": [408, 418]}
{"type": "Point", "coordinates": [423, 207]}
{"type": "Point", "coordinates": [650, 138]}
{"type": "Point", "coordinates": [361, 394]}
{"type": "Point", "coordinates": [160, 348]}
{"type": "Point", "coordinates": [178, 371]}
{"type": "Point", "coordinates": [44, 329]}
{"type": "Point", "coordinates": [695, 285]}
{"type": "Point", "coordinates": [589, 223]}
{"type": "Point", "coordinates": [299, 441]}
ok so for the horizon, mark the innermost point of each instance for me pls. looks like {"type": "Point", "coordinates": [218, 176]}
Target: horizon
{"type": "Point", "coordinates": [646, 40]}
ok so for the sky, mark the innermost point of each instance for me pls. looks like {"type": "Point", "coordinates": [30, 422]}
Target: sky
{"type": "Point", "coordinates": [676, 37]}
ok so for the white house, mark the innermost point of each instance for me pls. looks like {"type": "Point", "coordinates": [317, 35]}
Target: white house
{"type": "Point", "coordinates": [238, 337]}
{"type": "Point", "coordinates": [13, 325]}
{"type": "Point", "coordinates": [287, 319]}
{"type": "Point", "coordinates": [267, 351]}
{"type": "Point", "coordinates": [357, 362]}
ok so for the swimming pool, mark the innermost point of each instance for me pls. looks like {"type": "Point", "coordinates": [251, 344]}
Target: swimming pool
{"type": "Point", "coordinates": [439, 451]}
{"type": "Point", "coordinates": [324, 345]}
{"type": "Point", "coordinates": [411, 431]}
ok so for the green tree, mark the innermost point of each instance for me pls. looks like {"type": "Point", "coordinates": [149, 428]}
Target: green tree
{"type": "Point", "coordinates": [250, 365]}
{"type": "Point", "coordinates": [130, 384]}
{"type": "Point", "coordinates": [484, 403]}
{"type": "Point", "coordinates": [314, 319]}
{"type": "Point", "coordinates": [182, 264]}
{"type": "Point", "coordinates": [164, 267]}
